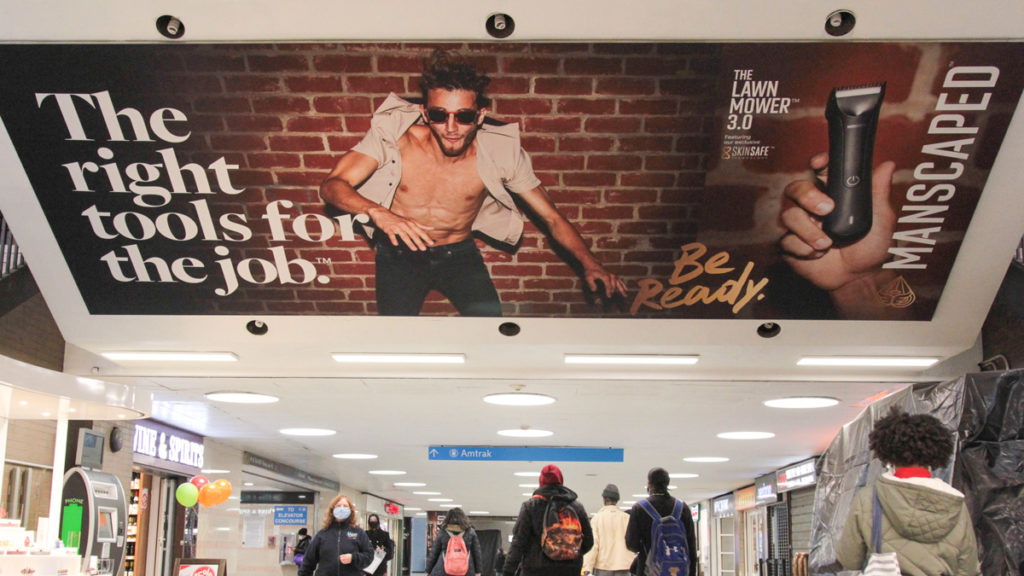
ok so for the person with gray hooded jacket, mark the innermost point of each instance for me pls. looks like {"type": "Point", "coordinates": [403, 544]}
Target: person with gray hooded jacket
{"type": "Point", "coordinates": [924, 520]}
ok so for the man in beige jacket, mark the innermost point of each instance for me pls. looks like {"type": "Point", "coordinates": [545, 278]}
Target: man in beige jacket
{"type": "Point", "coordinates": [609, 556]}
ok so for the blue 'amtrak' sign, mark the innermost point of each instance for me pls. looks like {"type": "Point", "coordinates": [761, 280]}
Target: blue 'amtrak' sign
{"type": "Point", "coordinates": [525, 453]}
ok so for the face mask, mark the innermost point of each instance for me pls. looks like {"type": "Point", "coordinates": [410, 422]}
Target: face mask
{"type": "Point", "coordinates": [342, 512]}
{"type": "Point", "coordinates": [374, 525]}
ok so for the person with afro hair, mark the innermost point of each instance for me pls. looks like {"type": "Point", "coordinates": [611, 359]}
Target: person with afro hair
{"type": "Point", "coordinates": [923, 519]}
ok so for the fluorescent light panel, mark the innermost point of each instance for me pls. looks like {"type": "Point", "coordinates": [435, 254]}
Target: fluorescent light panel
{"type": "Point", "coordinates": [528, 433]}
{"type": "Point", "coordinates": [519, 399]}
{"type": "Point", "coordinates": [868, 361]}
{"type": "Point", "coordinates": [159, 356]}
{"type": "Point", "coordinates": [801, 402]}
{"type": "Point", "coordinates": [347, 358]}
{"type": "Point", "coordinates": [242, 397]}
{"type": "Point", "coordinates": [631, 359]}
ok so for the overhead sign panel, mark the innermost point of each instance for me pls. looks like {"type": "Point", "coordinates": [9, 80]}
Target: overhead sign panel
{"type": "Point", "coordinates": [182, 179]}
{"type": "Point", "coordinates": [525, 453]}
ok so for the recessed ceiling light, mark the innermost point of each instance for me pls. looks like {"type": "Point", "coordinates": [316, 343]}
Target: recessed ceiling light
{"type": "Point", "coordinates": [705, 459]}
{"type": "Point", "coordinates": [525, 433]}
{"type": "Point", "coordinates": [242, 397]}
{"type": "Point", "coordinates": [247, 484]}
{"type": "Point", "coordinates": [307, 432]}
{"type": "Point", "coordinates": [425, 493]}
{"type": "Point", "coordinates": [388, 472]}
{"type": "Point", "coordinates": [534, 485]}
{"type": "Point", "coordinates": [410, 484]}
{"type": "Point", "coordinates": [630, 502]}
{"type": "Point", "coordinates": [411, 509]}
{"type": "Point", "coordinates": [745, 435]}
{"type": "Point", "coordinates": [639, 495]}
{"type": "Point", "coordinates": [683, 475]}
{"type": "Point", "coordinates": [214, 471]}
{"type": "Point", "coordinates": [632, 359]}
{"type": "Point", "coordinates": [479, 512]}
{"type": "Point", "coordinates": [527, 493]}
{"type": "Point", "coordinates": [527, 474]}
{"type": "Point", "coordinates": [440, 499]}
{"type": "Point", "coordinates": [875, 361]}
{"type": "Point", "coordinates": [421, 513]}
{"type": "Point", "coordinates": [400, 358]}
{"type": "Point", "coordinates": [801, 402]}
{"type": "Point", "coordinates": [519, 399]}
{"type": "Point", "coordinates": [46, 414]}
{"type": "Point", "coordinates": [449, 505]}
{"type": "Point", "coordinates": [157, 356]}
{"type": "Point", "coordinates": [354, 456]}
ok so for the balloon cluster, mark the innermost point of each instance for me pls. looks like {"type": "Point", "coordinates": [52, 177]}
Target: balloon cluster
{"type": "Point", "coordinates": [199, 489]}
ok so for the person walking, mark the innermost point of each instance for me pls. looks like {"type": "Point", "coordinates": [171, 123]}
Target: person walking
{"type": "Point", "coordinates": [456, 550]}
{"type": "Point", "coordinates": [552, 532]}
{"type": "Point", "coordinates": [638, 532]}
{"type": "Point", "coordinates": [341, 547]}
{"type": "Point", "coordinates": [609, 556]}
{"type": "Point", "coordinates": [381, 542]}
{"type": "Point", "coordinates": [922, 519]}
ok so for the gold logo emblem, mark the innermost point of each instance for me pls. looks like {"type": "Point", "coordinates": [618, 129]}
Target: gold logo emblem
{"type": "Point", "coordinates": [897, 294]}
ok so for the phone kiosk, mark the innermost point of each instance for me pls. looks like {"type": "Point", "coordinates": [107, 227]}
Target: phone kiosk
{"type": "Point", "coordinates": [93, 516]}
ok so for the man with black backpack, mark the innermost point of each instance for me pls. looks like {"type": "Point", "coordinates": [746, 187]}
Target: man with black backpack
{"type": "Point", "coordinates": [552, 532]}
{"type": "Point", "coordinates": [660, 531]}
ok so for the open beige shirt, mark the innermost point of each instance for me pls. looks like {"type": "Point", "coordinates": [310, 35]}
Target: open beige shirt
{"type": "Point", "coordinates": [502, 163]}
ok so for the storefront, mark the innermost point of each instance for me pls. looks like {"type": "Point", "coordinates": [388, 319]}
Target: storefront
{"type": "Point", "coordinates": [700, 529]}
{"type": "Point", "coordinates": [163, 458]}
{"type": "Point", "coordinates": [796, 483]}
{"type": "Point", "coordinates": [778, 547]}
{"type": "Point", "coordinates": [724, 543]}
{"type": "Point", "coordinates": [752, 530]}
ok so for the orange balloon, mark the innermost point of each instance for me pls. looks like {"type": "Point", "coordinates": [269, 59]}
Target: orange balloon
{"type": "Point", "coordinates": [215, 493]}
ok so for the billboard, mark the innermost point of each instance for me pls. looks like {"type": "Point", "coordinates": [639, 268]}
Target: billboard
{"type": "Point", "coordinates": [695, 179]}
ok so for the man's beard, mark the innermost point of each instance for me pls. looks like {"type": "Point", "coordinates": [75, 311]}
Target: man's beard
{"type": "Point", "coordinates": [467, 141]}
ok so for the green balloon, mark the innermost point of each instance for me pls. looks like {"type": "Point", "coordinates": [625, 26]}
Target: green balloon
{"type": "Point", "coordinates": [187, 494]}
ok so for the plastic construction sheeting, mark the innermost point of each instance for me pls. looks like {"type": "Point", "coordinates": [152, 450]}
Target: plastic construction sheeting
{"type": "Point", "coordinates": [990, 467]}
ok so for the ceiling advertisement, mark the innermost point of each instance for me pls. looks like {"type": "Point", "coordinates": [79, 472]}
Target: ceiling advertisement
{"type": "Point", "coordinates": [653, 180]}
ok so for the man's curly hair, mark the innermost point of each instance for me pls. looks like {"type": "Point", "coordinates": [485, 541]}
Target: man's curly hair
{"type": "Point", "coordinates": [903, 439]}
{"type": "Point", "coordinates": [450, 71]}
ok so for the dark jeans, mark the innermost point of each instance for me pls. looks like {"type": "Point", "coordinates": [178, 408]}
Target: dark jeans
{"type": "Point", "coordinates": [455, 270]}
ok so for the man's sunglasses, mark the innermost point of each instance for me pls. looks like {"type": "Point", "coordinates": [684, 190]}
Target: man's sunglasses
{"type": "Point", "coordinates": [463, 116]}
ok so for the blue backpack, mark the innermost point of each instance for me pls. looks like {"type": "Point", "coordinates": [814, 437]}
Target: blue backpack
{"type": "Point", "coordinates": [669, 555]}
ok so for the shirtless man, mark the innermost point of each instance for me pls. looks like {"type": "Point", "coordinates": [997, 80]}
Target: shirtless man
{"type": "Point", "coordinates": [428, 176]}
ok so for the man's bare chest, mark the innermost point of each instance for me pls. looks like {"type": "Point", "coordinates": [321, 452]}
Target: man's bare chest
{"type": "Point", "coordinates": [423, 176]}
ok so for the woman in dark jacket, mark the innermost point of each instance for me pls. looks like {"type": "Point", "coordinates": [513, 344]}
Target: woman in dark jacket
{"type": "Point", "coordinates": [380, 540]}
{"type": "Point", "coordinates": [340, 548]}
{"type": "Point", "coordinates": [456, 523]}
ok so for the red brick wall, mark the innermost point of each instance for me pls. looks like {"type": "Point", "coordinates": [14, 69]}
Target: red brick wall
{"type": "Point", "coordinates": [617, 133]}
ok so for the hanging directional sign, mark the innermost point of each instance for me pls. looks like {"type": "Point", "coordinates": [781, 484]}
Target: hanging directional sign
{"type": "Point", "coordinates": [525, 453]}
